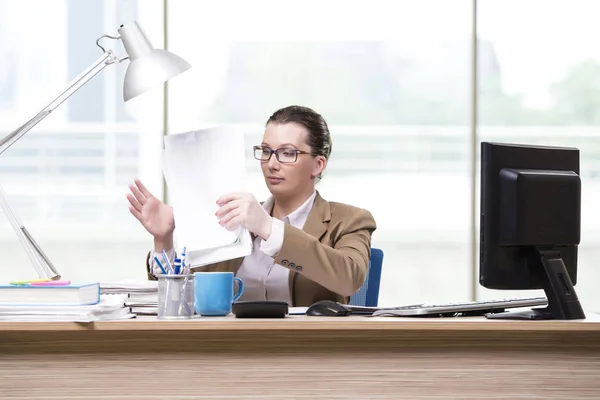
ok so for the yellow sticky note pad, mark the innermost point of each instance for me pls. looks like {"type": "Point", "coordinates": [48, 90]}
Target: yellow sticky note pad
{"type": "Point", "coordinates": [29, 281]}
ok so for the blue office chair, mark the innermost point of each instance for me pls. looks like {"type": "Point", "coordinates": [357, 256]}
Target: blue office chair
{"type": "Point", "coordinates": [368, 294]}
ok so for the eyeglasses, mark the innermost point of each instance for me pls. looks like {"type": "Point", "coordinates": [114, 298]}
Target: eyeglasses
{"type": "Point", "coordinates": [284, 155]}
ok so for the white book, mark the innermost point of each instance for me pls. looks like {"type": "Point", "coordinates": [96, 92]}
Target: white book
{"type": "Point", "coordinates": [110, 307]}
{"type": "Point", "coordinates": [199, 167]}
{"type": "Point", "coordinates": [122, 313]}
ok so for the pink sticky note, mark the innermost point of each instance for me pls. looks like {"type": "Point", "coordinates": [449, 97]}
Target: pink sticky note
{"type": "Point", "coordinates": [51, 283]}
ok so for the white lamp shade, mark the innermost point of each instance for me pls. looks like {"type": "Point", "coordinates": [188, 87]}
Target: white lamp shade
{"type": "Point", "coordinates": [148, 67]}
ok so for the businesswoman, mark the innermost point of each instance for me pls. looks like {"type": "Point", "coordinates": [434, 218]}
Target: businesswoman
{"type": "Point", "coordinates": [306, 249]}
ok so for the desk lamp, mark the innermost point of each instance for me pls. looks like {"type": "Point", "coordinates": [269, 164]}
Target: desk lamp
{"type": "Point", "coordinates": [147, 68]}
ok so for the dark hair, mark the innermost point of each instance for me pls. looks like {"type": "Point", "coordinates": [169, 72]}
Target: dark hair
{"type": "Point", "coordinates": [319, 139]}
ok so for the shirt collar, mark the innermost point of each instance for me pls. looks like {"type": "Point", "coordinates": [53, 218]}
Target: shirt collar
{"type": "Point", "coordinates": [296, 217]}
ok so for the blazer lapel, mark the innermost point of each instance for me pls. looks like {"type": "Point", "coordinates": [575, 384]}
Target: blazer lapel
{"type": "Point", "coordinates": [316, 226]}
{"type": "Point", "coordinates": [319, 215]}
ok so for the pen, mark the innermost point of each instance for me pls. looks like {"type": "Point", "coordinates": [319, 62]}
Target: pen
{"type": "Point", "coordinates": [183, 253]}
{"type": "Point", "coordinates": [160, 265]}
{"type": "Point", "coordinates": [167, 261]}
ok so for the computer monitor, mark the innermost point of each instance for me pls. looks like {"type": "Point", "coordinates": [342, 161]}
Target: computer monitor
{"type": "Point", "coordinates": [530, 225]}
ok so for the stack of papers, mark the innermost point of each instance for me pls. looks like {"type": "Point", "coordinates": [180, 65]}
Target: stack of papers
{"type": "Point", "coordinates": [110, 307]}
{"type": "Point", "coordinates": [199, 167]}
{"type": "Point", "coordinates": [129, 287]}
{"type": "Point", "coordinates": [140, 296]}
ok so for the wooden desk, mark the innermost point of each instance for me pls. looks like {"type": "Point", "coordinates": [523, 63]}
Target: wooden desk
{"type": "Point", "coordinates": [302, 358]}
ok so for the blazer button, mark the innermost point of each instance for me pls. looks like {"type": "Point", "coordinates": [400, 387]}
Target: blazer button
{"type": "Point", "coordinates": [292, 265]}
{"type": "Point", "coordinates": [298, 268]}
{"type": "Point", "coordinates": [284, 262]}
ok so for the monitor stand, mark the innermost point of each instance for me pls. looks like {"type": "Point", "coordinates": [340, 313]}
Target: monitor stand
{"type": "Point", "coordinates": [563, 302]}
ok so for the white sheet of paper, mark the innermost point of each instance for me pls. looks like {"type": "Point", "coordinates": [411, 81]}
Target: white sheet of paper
{"type": "Point", "coordinates": [241, 248]}
{"type": "Point", "coordinates": [200, 166]}
{"type": "Point", "coordinates": [297, 310]}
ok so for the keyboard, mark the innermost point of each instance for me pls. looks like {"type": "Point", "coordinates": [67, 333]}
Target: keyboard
{"type": "Point", "coordinates": [469, 308]}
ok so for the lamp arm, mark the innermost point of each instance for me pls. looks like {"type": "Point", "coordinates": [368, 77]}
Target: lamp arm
{"type": "Point", "coordinates": [40, 262]}
{"type": "Point", "coordinates": [11, 138]}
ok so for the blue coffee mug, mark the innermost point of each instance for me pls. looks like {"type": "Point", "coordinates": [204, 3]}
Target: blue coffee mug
{"type": "Point", "coordinates": [214, 292]}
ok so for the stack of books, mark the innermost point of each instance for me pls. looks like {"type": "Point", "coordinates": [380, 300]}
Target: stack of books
{"type": "Point", "coordinates": [141, 296]}
{"type": "Point", "coordinates": [60, 302]}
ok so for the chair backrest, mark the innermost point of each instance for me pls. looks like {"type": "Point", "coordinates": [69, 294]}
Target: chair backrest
{"type": "Point", "coordinates": [368, 294]}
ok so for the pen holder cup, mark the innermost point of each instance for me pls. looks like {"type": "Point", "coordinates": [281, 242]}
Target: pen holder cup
{"type": "Point", "coordinates": [175, 296]}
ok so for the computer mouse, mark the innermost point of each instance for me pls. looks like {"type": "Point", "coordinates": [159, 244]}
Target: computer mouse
{"type": "Point", "coordinates": [328, 308]}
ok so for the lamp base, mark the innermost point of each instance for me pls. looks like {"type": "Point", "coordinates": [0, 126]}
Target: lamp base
{"type": "Point", "coordinates": [40, 262]}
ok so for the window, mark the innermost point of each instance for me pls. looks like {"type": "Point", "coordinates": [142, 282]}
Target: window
{"type": "Point", "coordinates": [392, 80]}
{"type": "Point", "coordinates": [542, 86]}
{"type": "Point", "coordinates": [68, 176]}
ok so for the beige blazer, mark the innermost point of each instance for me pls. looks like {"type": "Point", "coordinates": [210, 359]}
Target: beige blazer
{"type": "Point", "coordinates": [328, 258]}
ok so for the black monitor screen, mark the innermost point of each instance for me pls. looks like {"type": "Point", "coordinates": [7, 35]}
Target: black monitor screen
{"type": "Point", "coordinates": [530, 217]}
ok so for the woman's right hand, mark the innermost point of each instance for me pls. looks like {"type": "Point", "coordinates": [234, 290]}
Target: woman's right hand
{"type": "Point", "coordinates": [152, 213]}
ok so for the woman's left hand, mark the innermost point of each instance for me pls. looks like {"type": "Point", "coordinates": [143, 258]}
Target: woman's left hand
{"type": "Point", "coordinates": [243, 209]}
